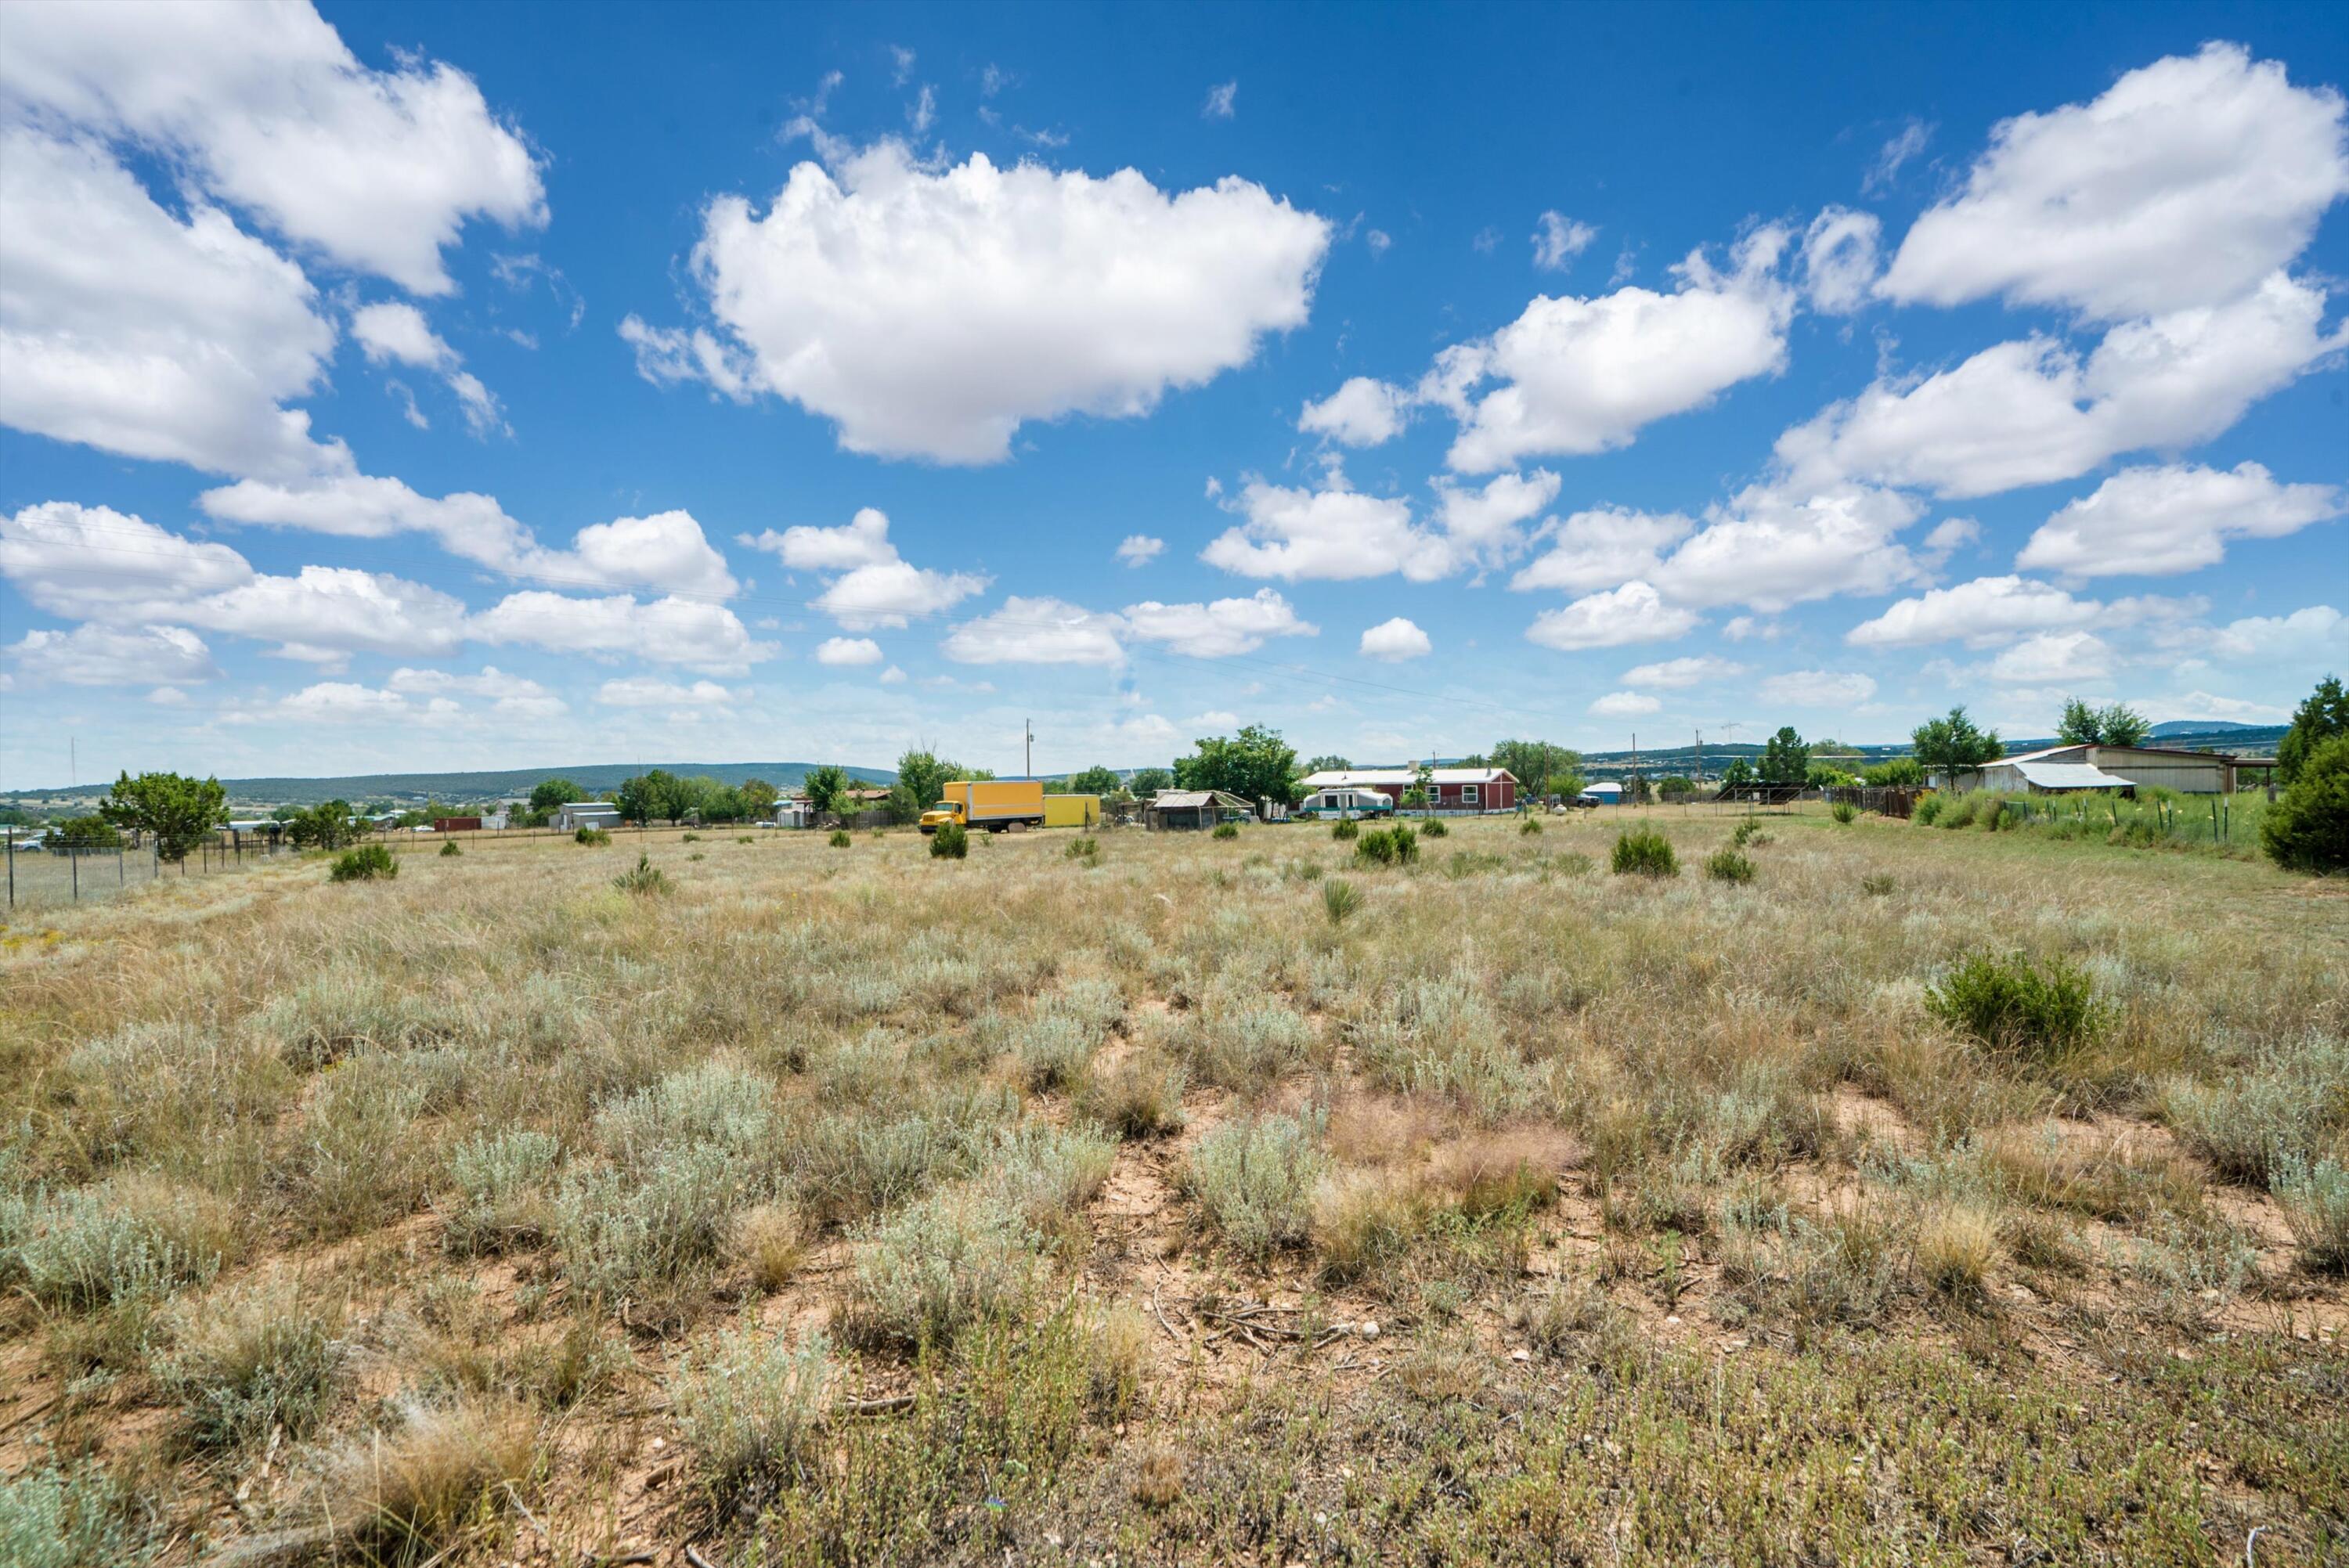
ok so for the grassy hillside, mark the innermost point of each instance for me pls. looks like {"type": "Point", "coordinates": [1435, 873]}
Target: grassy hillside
{"type": "Point", "coordinates": [593, 777]}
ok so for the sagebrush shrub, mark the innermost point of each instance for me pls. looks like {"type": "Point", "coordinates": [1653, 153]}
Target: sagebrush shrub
{"type": "Point", "coordinates": [1254, 1181]}
{"type": "Point", "coordinates": [749, 1406]}
{"type": "Point", "coordinates": [939, 1268]}
{"type": "Point", "coordinates": [68, 1518]}
{"type": "Point", "coordinates": [256, 1358]}
{"type": "Point", "coordinates": [2290, 1097]}
{"type": "Point", "coordinates": [650, 1235]}
{"type": "Point", "coordinates": [133, 1238]}
{"type": "Point", "coordinates": [2018, 1006]}
{"type": "Point", "coordinates": [501, 1179]}
{"type": "Point", "coordinates": [2314, 1196]}
{"type": "Point", "coordinates": [368, 862]}
{"type": "Point", "coordinates": [1643, 852]}
{"type": "Point", "coordinates": [1141, 1097]}
{"type": "Point", "coordinates": [950, 842]}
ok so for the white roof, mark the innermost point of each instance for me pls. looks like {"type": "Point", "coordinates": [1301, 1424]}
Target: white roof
{"type": "Point", "coordinates": [1608, 787]}
{"type": "Point", "coordinates": [590, 806]}
{"type": "Point", "coordinates": [1344, 778]}
{"type": "Point", "coordinates": [2062, 775]}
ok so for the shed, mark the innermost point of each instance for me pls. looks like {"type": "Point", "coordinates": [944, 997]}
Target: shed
{"type": "Point", "coordinates": [1607, 793]}
{"type": "Point", "coordinates": [1463, 789]}
{"type": "Point", "coordinates": [1178, 810]}
{"type": "Point", "coordinates": [2188, 772]}
{"type": "Point", "coordinates": [586, 814]}
{"type": "Point", "coordinates": [793, 814]}
{"type": "Point", "coordinates": [456, 824]}
{"type": "Point", "coordinates": [2049, 778]}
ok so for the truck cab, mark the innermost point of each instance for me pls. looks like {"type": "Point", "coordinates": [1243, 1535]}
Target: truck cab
{"type": "Point", "coordinates": [999, 807]}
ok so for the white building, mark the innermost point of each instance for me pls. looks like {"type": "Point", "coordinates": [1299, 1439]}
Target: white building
{"type": "Point", "coordinates": [586, 814]}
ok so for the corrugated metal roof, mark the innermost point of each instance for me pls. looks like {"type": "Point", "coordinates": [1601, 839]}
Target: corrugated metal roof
{"type": "Point", "coordinates": [1342, 778]}
{"type": "Point", "coordinates": [2064, 775]}
{"type": "Point", "coordinates": [1192, 799]}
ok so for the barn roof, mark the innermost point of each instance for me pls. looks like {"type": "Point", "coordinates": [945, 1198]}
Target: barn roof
{"type": "Point", "coordinates": [1192, 799]}
{"type": "Point", "coordinates": [2064, 775]}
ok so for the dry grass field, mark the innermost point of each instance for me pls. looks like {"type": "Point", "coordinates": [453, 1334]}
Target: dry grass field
{"type": "Point", "coordinates": [1190, 1201]}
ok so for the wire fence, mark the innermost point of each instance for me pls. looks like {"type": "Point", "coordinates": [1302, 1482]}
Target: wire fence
{"type": "Point", "coordinates": [46, 875]}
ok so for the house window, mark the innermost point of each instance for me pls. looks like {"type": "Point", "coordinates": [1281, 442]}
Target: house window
{"type": "Point", "coordinates": [1468, 795]}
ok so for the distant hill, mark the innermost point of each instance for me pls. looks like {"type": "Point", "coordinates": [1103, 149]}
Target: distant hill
{"type": "Point", "coordinates": [2204, 727]}
{"type": "Point", "coordinates": [405, 787]}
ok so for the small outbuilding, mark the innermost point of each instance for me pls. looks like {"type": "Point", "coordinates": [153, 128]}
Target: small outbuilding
{"type": "Point", "coordinates": [586, 814]}
{"type": "Point", "coordinates": [2188, 772]}
{"type": "Point", "coordinates": [1182, 811]}
{"type": "Point", "coordinates": [1606, 793]}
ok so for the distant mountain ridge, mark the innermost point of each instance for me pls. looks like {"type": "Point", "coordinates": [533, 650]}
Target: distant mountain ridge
{"type": "Point", "coordinates": [594, 777]}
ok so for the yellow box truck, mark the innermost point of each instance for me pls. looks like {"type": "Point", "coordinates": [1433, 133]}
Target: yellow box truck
{"type": "Point", "coordinates": [1071, 811]}
{"type": "Point", "coordinates": [996, 806]}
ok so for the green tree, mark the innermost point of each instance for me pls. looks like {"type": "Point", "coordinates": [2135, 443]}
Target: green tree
{"type": "Point", "coordinates": [759, 797]}
{"type": "Point", "coordinates": [1423, 786]}
{"type": "Point", "coordinates": [1896, 773]}
{"type": "Point", "coordinates": [90, 832]}
{"type": "Point", "coordinates": [1148, 781]}
{"type": "Point", "coordinates": [2308, 829]}
{"type": "Point", "coordinates": [1954, 746]}
{"type": "Point", "coordinates": [549, 795]}
{"type": "Point", "coordinates": [1785, 759]}
{"type": "Point", "coordinates": [1827, 775]}
{"type": "Point", "coordinates": [325, 826]}
{"type": "Point", "coordinates": [1539, 766]}
{"type": "Point", "coordinates": [178, 811]}
{"type": "Point", "coordinates": [1256, 765]}
{"type": "Point", "coordinates": [2323, 715]}
{"type": "Point", "coordinates": [922, 777]}
{"type": "Point", "coordinates": [827, 790]}
{"type": "Point", "coordinates": [648, 796]}
{"type": "Point", "coordinates": [2116, 725]}
{"type": "Point", "coordinates": [1094, 781]}
{"type": "Point", "coordinates": [1327, 762]}
{"type": "Point", "coordinates": [1739, 773]}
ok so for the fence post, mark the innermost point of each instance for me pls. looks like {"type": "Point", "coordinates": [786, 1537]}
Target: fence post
{"type": "Point", "coordinates": [72, 859]}
{"type": "Point", "coordinates": [12, 868]}
{"type": "Point", "coordinates": [118, 879]}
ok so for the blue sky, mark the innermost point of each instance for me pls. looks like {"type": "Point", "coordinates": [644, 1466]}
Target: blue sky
{"type": "Point", "coordinates": [388, 388]}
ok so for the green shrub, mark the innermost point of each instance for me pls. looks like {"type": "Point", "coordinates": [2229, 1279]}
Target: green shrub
{"type": "Point", "coordinates": [1729, 866]}
{"type": "Point", "coordinates": [451, 848]}
{"type": "Point", "coordinates": [841, 840]}
{"type": "Point", "coordinates": [2019, 1008]}
{"type": "Point", "coordinates": [1529, 828]}
{"type": "Point", "coordinates": [368, 862]}
{"type": "Point", "coordinates": [1344, 828]}
{"type": "Point", "coordinates": [1844, 811]}
{"type": "Point", "coordinates": [132, 1239]}
{"type": "Point", "coordinates": [1228, 830]}
{"type": "Point", "coordinates": [689, 839]}
{"type": "Point", "coordinates": [1395, 846]}
{"type": "Point", "coordinates": [1926, 808]}
{"type": "Point", "coordinates": [1254, 1181]}
{"type": "Point", "coordinates": [591, 836]}
{"type": "Point", "coordinates": [2290, 1097]}
{"type": "Point", "coordinates": [746, 838]}
{"type": "Point", "coordinates": [1433, 828]}
{"type": "Point", "coordinates": [951, 842]}
{"type": "Point", "coordinates": [1340, 899]}
{"type": "Point", "coordinates": [1141, 1097]}
{"type": "Point", "coordinates": [646, 879]}
{"type": "Point", "coordinates": [1875, 884]}
{"type": "Point", "coordinates": [1643, 852]}
{"type": "Point", "coordinates": [650, 1235]}
{"type": "Point", "coordinates": [1087, 850]}
{"type": "Point", "coordinates": [749, 1406]}
{"type": "Point", "coordinates": [2308, 829]}
{"type": "Point", "coordinates": [2314, 1197]}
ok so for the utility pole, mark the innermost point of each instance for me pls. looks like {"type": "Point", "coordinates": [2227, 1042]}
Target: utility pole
{"type": "Point", "coordinates": [1029, 726]}
{"type": "Point", "coordinates": [1700, 758]}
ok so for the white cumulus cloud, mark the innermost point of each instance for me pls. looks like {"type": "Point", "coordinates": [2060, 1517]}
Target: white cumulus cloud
{"type": "Point", "coordinates": [2171, 518]}
{"type": "Point", "coordinates": [1363, 412]}
{"type": "Point", "coordinates": [848, 650]}
{"type": "Point", "coordinates": [1634, 612]}
{"type": "Point", "coordinates": [1625, 704]}
{"type": "Point", "coordinates": [929, 312]}
{"type": "Point", "coordinates": [1395, 641]}
{"type": "Point", "coordinates": [1140, 549]}
{"type": "Point", "coordinates": [1818, 688]}
{"type": "Point", "coordinates": [1679, 675]}
{"type": "Point", "coordinates": [1981, 613]}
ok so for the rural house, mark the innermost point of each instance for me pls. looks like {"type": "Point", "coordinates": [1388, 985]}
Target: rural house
{"type": "Point", "coordinates": [1469, 789]}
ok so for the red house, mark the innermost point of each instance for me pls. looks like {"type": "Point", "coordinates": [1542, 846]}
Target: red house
{"type": "Point", "coordinates": [1449, 788]}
